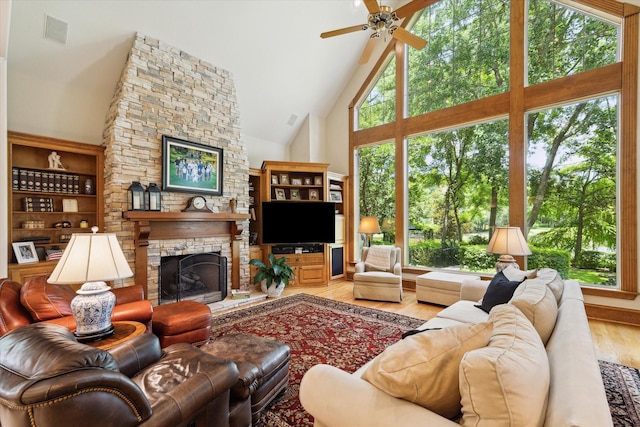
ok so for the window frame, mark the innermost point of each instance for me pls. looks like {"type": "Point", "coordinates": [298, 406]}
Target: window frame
{"type": "Point", "coordinates": [620, 78]}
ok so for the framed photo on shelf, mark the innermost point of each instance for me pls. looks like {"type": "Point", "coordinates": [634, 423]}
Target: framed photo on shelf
{"type": "Point", "coordinates": [69, 205]}
{"type": "Point", "coordinates": [25, 252]}
{"type": "Point", "coordinates": [314, 195]}
{"type": "Point", "coordinates": [280, 195]}
{"type": "Point", "coordinates": [284, 178]}
{"type": "Point", "coordinates": [317, 180]}
{"type": "Point", "coordinates": [296, 181]}
{"type": "Point", "coordinates": [191, 167]}
{"type": "Point", "coordinates": [295, 194]}
{"type": "Point", "coordinates": [307, 181]}
{"type": "Point", "coordinates": [274, 179]}
{"type": "Point", "coordinates": [335, 196]}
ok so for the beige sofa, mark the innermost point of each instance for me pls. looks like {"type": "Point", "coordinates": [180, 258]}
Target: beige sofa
{"type": "Point", "coordinates": [547, 378]}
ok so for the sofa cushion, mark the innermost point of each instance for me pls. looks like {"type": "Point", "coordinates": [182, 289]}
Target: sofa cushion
{"type": "Point", "coordinates": [515, 274]}
{"type": "Point", "coordinates": [46, 301]}
{"type": "Point", "coordinates": [423, 368]}
{"type": "Point", "coordinates": [536, 301]}
{"type": "Point", "coordinates": [500, 291]}
{"type": "Point", "coordinates": [464, 312]}
{"type": "Point", "coordinates": [507, 382]}
{"type": "Point", "coordinates": [553, 280]}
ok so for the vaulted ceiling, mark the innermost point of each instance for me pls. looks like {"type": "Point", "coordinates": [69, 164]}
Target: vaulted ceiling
{"type": "Point", "coordinates": [281, 66]}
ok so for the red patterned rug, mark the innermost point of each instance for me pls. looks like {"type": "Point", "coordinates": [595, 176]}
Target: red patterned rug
{"type": "Point", "coordinates": [622, 385]}
{"type": "Point", "coordinates": [317, 330]}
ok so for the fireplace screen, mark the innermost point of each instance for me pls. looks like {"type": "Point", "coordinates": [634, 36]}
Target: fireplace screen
{"type": "Point", "coordinates": [200, 277]}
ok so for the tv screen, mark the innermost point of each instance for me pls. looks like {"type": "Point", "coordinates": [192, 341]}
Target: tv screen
{"type": "Point", "coordinates": [298, 222]}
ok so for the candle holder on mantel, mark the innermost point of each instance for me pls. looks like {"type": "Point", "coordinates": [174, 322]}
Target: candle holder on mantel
{"type": "Point", "coordinates": [135, 197]}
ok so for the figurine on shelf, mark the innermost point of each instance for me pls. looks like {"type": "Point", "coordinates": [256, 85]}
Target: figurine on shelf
{"type": "Point", "coordinates": [54, 161]}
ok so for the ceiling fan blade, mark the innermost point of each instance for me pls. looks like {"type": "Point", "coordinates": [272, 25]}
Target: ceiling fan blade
{"type": "Point", "coordinates": [409, 38]}
{"type": "Point", "coordinates": [366, 53]}
{"type": "Point", "coordinates": [372, 6]}
{"type": "Point", "coordinates": [412, 7]}
{"type": "Point", "coordinates": [343, 31]}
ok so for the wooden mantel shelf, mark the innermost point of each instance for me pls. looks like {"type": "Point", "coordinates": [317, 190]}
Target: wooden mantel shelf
{"type": "Point", "coordinates": [182, 225]}
{"type": "Point", "coordinates": [183, 216]}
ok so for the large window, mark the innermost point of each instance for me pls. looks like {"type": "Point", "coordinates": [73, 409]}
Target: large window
{"type": "Point", "coordinates": [378, 107]}
{"type": "Point", "coordinates": [376, 165]}
{"type": "Point", "coordinates": [564, 41]}
{"type": "Point", "coordinates": [571, 183]}
{"type": "Point", "coordinates": [458, 192]}
{"type": "Point", "coordinates": [510, 116]}
{"type": "Point", "coordinates": [467, 54]}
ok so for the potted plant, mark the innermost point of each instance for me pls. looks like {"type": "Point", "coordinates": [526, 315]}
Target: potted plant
{"type": "Point", "coordinates": [273, 277]}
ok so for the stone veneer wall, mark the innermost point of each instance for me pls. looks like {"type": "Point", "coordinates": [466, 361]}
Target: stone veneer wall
{"type": "Point", "coordinates": [165, 91]}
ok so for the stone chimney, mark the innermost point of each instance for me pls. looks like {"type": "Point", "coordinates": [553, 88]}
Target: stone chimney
{"type": "Point", "coordinates": [165, 91]}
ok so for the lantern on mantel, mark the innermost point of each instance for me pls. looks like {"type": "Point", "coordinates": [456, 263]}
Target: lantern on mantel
{"type": "Point", "coordinates": [153, 198]}
{"type": "Point", "coordinates": [135, 197]}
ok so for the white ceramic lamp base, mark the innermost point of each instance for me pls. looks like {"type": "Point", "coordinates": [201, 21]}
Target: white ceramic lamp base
{"type": "Point", "coordinates": [92, 309]}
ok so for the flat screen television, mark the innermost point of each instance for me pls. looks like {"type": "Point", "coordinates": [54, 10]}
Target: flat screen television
{"type": "Point", "coordinates": [298, 222]}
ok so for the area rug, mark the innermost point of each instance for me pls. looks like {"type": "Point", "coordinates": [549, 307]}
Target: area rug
{"type": "Point", "coordinates": [622, 385]}
{"type": "Point", "coordinates": [317, 330]}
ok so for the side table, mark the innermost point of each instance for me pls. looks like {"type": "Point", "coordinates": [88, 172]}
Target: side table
{"type": "Point", "coordinates": [124, 330]}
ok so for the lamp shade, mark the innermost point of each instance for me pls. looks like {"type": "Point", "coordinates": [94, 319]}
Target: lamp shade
{"type": "Point", "coordinates": [509, 241]}
{"type": "Point", "coordinates": [369, 225]}
{"type": "Point", "coordinates": [89, 258]}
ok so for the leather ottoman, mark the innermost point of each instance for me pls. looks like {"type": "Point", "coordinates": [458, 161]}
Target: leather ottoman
{"type": "Point", "coordinates": [182, 321]}
{"type": "Point", "coordinates": [263, 364]}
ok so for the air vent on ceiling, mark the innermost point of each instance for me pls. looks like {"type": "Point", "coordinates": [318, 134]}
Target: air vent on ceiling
{"type": "Point", "coordinates": [292, 120]}
{"type": "Point", "coordinates": [55, 29]}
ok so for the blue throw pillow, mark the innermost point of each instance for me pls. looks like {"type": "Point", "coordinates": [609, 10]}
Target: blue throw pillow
{"type": "Point", "coordinates": [499, 291]}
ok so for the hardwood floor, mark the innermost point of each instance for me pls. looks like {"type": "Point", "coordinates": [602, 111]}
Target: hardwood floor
{"type": "Point", "coordinates": [612, 342]}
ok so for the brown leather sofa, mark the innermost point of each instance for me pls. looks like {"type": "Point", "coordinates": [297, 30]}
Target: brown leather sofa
{"type": "Point", "coordinates": [39, 301]}
{"type": "Point", "coordinates": [135, 383]}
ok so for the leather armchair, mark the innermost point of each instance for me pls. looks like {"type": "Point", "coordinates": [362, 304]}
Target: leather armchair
{"type": "Point", "coordinates": [48, 379]}
{"type": "Point", "coordinates": [379, 282]}
{"type": "Point", "coordinates": [39, 301]}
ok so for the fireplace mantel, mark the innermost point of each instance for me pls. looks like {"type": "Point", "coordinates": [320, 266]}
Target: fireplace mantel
{"type": "Point", "coordinates": [182, 225]}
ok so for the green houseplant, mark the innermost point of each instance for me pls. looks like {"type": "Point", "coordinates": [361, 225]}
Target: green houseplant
{"type": "Point", "coordinates": [277, 273]}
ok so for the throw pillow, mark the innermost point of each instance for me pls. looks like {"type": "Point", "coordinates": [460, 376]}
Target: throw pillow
{"type": "Point", "coordinates": [423, 368]}
{"type": "Point", "coordinates": [499, 291]}
{"type": "Point", "coordinates": [536, 301]}
{"type": "Point", "coordinates": [507, 382]}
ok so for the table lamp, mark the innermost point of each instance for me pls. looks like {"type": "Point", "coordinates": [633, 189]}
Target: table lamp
{"type": "Point", "coordinates": [507, 241]}
{"type": "Point", "coordinates": [368, 226]}
{"type": "Point", "coordinates": [92, 259]}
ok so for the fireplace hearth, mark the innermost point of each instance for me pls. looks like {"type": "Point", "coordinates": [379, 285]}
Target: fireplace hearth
{"type": "Point", "coordinates": [199, 277]}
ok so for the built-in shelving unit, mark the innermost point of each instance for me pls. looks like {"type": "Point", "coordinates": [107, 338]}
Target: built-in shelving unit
{"type": "Point", "coordinates": [47, 205]}
{"type": "Point", "coordinates": [337, 185]}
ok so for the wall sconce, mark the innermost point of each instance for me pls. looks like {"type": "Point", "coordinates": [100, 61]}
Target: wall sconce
{"type": "Point", "coordinates": [135, 197]}
{"type": "Point", "coordinates": [508, 241]}
{"type": "Point", "coordinates": [153, 198]}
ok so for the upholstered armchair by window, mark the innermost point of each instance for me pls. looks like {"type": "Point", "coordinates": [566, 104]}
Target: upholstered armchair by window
{"type": "Point", "coordinates": [379, 275]}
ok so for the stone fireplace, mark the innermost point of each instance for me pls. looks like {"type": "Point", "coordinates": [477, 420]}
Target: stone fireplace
{"type": "Point", "coordinates": [198, 277]}
{"type": "Point", "coordinates": [165, 91]}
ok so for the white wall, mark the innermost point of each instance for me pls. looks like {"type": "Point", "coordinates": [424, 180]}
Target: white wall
{"type": "Point", "coordinates": [5, 17]}
{"type": "Point", "coordinates": [261, 149]}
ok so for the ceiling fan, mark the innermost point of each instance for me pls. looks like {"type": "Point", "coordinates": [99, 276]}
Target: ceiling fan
{"type": "Point", "coordinates": [382, 20]}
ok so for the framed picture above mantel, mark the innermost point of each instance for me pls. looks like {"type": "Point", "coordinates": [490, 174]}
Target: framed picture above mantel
{"type": "Point", "coordinates": [191, 167]}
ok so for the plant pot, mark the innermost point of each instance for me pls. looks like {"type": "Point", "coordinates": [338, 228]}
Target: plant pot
{"type": "Point", "coordinates": [274, 290]}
